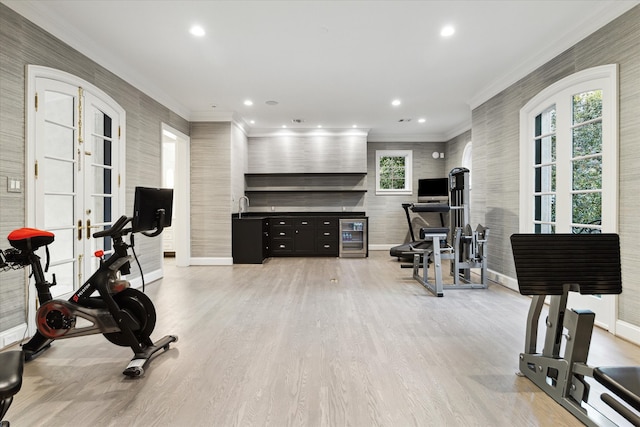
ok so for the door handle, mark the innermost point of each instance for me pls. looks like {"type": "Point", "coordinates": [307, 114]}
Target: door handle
{"type": "Point", "coordinates": [89, 227]}
{"type": "Point", "coordinates": [79, 229]}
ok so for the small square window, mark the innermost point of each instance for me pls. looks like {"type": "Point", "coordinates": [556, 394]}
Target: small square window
{"type": "Point", "coordinates": [394, 172]}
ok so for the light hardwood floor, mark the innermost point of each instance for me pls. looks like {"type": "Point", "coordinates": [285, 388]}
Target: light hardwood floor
{"type": "Point", "coordinates": [307, 342]}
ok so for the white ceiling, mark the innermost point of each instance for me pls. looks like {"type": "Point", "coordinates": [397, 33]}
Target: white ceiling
{"type": "Point", "coordinates": [329, 63]}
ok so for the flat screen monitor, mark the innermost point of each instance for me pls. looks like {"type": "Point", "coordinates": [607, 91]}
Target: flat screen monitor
{"type": "Point", "coordinates": [146, 206]}
{"type": "Point", "coordinates": [433, 190]}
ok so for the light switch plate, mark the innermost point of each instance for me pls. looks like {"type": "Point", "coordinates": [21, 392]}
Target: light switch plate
{"type": "Point", "coordinates": [14, 185]}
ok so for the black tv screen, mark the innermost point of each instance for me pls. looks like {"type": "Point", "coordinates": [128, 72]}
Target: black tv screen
{"type": "Point", "coordinates": [433, 187]}
{"type": "Point", "coordinates": [146, 206]}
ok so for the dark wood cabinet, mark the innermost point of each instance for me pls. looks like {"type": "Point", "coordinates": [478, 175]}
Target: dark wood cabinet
{"type": "Point", "coordinates": [255, 239]}
{"type": "Point", "coordinates": [250, 240]}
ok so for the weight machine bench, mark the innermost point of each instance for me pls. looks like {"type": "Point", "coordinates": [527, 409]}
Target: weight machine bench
{"type": "Point", "coordinates": [554, 265]}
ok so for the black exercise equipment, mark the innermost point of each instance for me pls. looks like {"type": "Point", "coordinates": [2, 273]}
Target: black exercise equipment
{"type": "Point", "coordinates": [125, 316]}
{"type": "Point", "coordinates": [554, 265]}
{"type": "Point", "coordinates": [404, 251]}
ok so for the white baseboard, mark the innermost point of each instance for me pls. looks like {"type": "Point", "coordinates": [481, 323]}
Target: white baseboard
{"type": "Point", "coordinates": [148, 278]}
{"type": "Point", "coordinates": [212, 261]}
{"type": "Point", "coordinates": [380, 247]}
{"type": "Point", "coordinates": [12, 335]}
{"type": "Point", "coordinates": [628, 331]}
{"type": "Point", "coordinates": [506, 281]}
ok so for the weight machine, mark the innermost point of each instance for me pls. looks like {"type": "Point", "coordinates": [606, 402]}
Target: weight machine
{"type": "Point", "coordinates": [468, 248]}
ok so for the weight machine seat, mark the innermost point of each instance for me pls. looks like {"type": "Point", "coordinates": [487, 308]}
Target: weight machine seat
{"type": "Point", "coordinates": [589, 263]}
{"type": "Point", "coordinates": [623, 381]}
{"type": "Point", "coordinates": [11, 366]}
{"type": "Point", "coordinates": [425, 231]}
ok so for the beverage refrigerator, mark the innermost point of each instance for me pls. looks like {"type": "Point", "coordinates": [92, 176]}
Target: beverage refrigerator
{"type": "Point", "coordinates": [353, 237]}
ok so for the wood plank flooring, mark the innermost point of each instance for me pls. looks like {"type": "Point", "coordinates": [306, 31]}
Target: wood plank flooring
{"type": "Point", "coordinates": [307, 342]}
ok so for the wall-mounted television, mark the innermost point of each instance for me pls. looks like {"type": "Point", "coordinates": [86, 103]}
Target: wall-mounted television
{"type": "Point", "coordinates": [433, 190]}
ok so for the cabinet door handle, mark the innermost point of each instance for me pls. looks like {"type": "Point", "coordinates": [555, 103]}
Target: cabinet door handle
{"type": "Point", "coordinates": [327, 234]}
{"type": "Point", "coordinates": [282, 246]}
{"type": "Point", "coordinates": [282, 223]}
{"type": "Point", "coordinates": [282, 234]}
{"type": "Point", "coordinates": [327, 246]}
{"type": "Point", "coordinates": [304, 223]}
{"type": "Point", "coordinates": [327, 222]}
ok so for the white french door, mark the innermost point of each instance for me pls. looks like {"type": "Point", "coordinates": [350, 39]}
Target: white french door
{"type": "Point", "coordinates": [75, 144]}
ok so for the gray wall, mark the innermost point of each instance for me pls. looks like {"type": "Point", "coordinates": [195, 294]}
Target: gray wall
{"type": "Point", "coordinates": [387, 221]}
{"type": "Point", "coordinates": [495, 133]}
{"type": "Point", "coordinates": [23, 43]}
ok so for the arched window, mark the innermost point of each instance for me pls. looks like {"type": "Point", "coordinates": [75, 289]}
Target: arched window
{"type": "Point", "coordinates": [569, 155]}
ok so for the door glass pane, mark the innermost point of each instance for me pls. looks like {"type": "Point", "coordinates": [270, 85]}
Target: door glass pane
{"type": "Point", "coordinates": [59, 108]}
{"type": "Point", "coordinates": [62, 247]}
{"type": "Point", "coordinates": [587, 106]}
{"type": "Point", "coordinates": [587, 139]}
{"type": "Point", "coordinates": [58, 211]}
{"type": "Point", "coordinates": [65, 274]}
{"type": "Point", "coordinates": [587, 174]}
{"type": "Point", "coordinates": [60, 176]}
{"type": "Point", "coordinates": [102, 180]}
{"type": "Point", "coordinates": [545, 208]}
{"type": "Point", "coordinates": [545, 179]}
{"type": "Point", "coordinates": [586, 208]}
{"type": "Point", "coordinates": [545, 149]}
{"type": "Point", "coordinates": [59, 141]}
{"type": "Point", "coordinates": [101, 209]}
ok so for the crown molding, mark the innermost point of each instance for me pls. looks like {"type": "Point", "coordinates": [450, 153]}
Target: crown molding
{"type": "Point", "coordinates": [264, 132]}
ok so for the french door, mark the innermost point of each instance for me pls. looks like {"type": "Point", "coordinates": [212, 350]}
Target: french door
{"type": "Point", "coordinates": [76, 149]}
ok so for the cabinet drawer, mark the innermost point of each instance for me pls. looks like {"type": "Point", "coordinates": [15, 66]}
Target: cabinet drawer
{"type": "Point", "coordinates": [281, 232]}
{"type": "Point", "coordinates": [282, 245]}
{"type": "Point", "coordinates": [327, 248]}
{"type": "Point", "coordinates": [304, 222]}
{"type": "Point", "coordinates": [328, 222]}
{"type": "Point", "coordinates": [286, 222]}
{"type": "Point", "coordinates": [327, 233]}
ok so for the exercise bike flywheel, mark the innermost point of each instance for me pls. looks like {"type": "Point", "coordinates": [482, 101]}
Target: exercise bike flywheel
{"type": "Point", "coordinates": [140, 307]}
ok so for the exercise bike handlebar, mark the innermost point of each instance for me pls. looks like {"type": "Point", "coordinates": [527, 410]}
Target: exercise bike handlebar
{"type": "Point", "coordinates": [116, 229]}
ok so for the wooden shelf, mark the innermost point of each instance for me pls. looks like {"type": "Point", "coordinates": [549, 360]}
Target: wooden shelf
{"type": "Point", "coordinates": [304, 190]}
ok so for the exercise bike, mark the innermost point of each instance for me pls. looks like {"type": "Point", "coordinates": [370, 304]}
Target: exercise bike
{"type": "Point", "coordinates": [124, 315]}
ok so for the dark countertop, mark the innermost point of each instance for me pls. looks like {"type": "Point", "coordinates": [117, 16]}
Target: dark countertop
{"type": "Point", "coordinates": [260, 215]}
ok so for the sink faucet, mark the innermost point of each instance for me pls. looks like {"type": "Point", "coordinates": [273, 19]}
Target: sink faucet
{"type": "Point", "coordinates": [246, 199]}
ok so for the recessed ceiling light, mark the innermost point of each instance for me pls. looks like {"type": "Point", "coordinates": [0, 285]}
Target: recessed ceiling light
{"type": "Point", "coordinates": [354, 126]}
{"type": "Point", "coordinates": [284, 126]}
{"type": "Point", "coordinates": [447, 31]}
{"type": "Point", "coordinates": [253, 122]}
{"type": "Point", "coordinates": [197, 31]}
{"type": "Point", "coordinates": [422, 120]}
{"type": "Point", "coordinates": [319, 126]}
{"type": "Point", "coordinates": [248, 102]}
{"type": "Point", "coordinates": [396, 102]}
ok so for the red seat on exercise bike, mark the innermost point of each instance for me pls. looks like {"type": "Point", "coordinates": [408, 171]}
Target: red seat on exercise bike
{"type": "Point", "coordinates": [30, 238]}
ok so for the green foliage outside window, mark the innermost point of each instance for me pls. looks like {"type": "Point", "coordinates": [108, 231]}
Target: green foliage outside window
{"type": "Point", "coordinates": [392, 173]}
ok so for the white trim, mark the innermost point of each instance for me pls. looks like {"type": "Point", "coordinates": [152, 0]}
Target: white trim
{"type": "Point", "coordinates": [384, 247]}
{"type": "Point", "coordinates": [149, 277]}
{"type": "Point", "coordinates": [408, 172]}
{"type": "Point", "coordinates": [503, 280]}
{"type": "Point", "coordinates": [212, 261]}
{"type": "Point", "coordinates": [13, 335]}
{"type": "Point", "coordinates": [628, 331]}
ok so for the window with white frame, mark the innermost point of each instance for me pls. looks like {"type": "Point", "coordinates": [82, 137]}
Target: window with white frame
{"type": "Point", "coordinates": [569, 155]}
{"type": "Point", "coordinates": [394, 172]}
